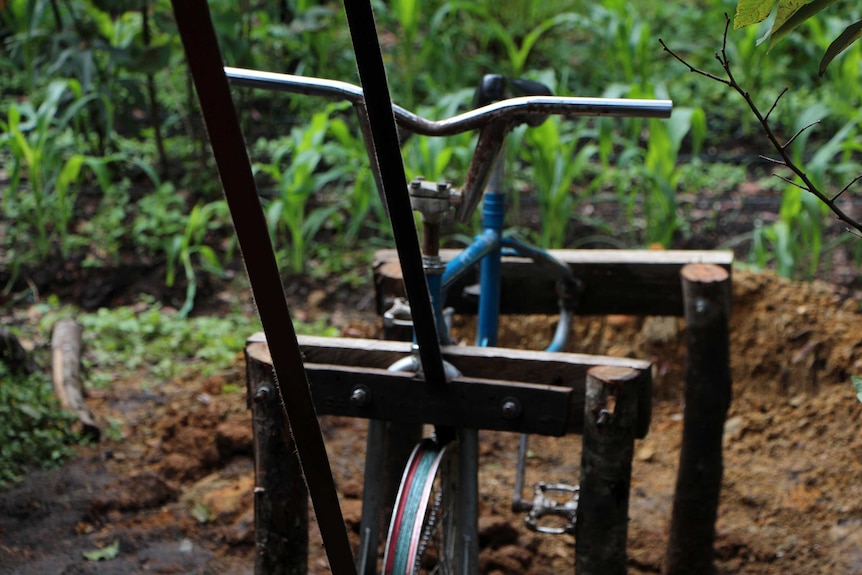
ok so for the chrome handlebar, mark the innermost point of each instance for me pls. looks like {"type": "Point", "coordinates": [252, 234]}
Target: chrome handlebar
{"type": "Point", "coordinates": [511, 108]}
{"type": "Point", "coordinates": [494, 120]}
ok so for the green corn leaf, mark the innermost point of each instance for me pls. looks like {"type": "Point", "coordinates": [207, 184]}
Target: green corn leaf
{"type": "Point", "coordinates": [69, 174]}
{"type": "Point", "coordinates": [852, 33]}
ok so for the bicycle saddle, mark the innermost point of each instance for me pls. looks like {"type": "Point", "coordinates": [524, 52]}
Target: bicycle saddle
{"type": "Point", "coordinates": [494, 87]}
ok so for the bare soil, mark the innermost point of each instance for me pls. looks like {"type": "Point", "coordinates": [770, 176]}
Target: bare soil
{"type": "Point", "coordinates": [174, 487]}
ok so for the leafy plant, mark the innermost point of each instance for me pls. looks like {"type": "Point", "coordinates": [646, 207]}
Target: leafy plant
{"type": "Point", "coordinates": [662, 171]}
{"type": "Point", "coordinates": [44, 176]}
{"type": "Point", "coordinates": [288, 216]}
{"type": "Point", "coordinates": [787, 15]}
{"type": "Point", "coordinates": [34, 431]}
{"type": "Point", "coordinates": [557, 160]}
{"type": "Point", "coordinates": [203, 219]}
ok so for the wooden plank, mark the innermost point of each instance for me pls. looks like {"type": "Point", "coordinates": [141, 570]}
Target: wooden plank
{"type": "Point", "coordinates": [546, 388]}
{"type": "Point", "coordinates": [540, 367]}
{"type": "Point", "coordinates": [632, 282]}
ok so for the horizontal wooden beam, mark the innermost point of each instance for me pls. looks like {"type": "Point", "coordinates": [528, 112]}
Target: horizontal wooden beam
{"type": "Point", "coordinates": [543, 393]}
{"type": "Point", "coordinates": [631, 282]}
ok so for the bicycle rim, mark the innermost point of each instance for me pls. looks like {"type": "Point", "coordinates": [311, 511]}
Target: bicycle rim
{"type": "Point", "coordinates": [420, 532]}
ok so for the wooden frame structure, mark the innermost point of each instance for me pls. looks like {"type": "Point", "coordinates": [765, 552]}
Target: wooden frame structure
{"type": "Point", "coordinates": [557, 393]}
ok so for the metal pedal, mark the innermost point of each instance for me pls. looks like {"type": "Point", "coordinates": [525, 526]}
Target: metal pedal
{"type": "Point", "coordinates": [549, 500]}
{"type": "Point", "coordinates": [546, 505]}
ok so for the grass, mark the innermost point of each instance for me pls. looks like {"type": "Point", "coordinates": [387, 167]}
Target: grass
{"type": "Point", "coordinates": [147, 341]}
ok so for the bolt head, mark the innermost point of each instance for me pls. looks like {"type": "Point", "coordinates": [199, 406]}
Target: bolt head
{"type": "Point", "coordinates": [511, 408]}
{"type": "Point", "coordinates": [360, 396]}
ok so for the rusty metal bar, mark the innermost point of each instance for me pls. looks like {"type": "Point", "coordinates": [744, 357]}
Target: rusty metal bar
{"type": "Point", "coordinates": [387, 149]}
{"type": "Point", "coordinates": [202, 52]}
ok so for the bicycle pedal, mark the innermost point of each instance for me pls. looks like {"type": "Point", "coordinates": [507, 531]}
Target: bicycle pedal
{"type": "Point", "coordinates": [546, 503]}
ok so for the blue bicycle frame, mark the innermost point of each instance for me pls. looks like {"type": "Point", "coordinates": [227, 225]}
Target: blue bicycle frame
{"type": "Point", "coordinates": [487, 251]}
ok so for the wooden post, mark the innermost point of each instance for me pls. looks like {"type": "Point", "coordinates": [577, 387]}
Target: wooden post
{"type": "Point", "coordinates": [610, 424]}
{"type": "Point", "coordinates": [706, 293]}
{"type": "Point", "coordinates": [66, 360]}
{"type": "Point", "coordinates": [280, 493]}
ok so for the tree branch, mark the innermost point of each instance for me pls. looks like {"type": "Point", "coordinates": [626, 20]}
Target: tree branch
{"type": "Point", "coordinates": [785, 158]}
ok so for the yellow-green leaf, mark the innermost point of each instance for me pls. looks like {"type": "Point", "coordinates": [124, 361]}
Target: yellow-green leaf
{"type": "Point", "coordinates": [103, 554]}
{"type": "Point", "coordinates": [792, 13]}
{"type": "Point", "coordinates": [751, 12]}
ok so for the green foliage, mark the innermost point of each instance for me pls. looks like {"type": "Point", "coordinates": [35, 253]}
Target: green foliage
{"type": "Point", "coordinates": [44, 177]}
{"type": "Point", "coordinates": [156, 342]}
{"type": "Point", "coordinates": [787, 15]}
{"type": "Point", "coordinates": [558, 161]}
{"type": "Point", "coordinates": [34, 431]}
{"type": "Point", "coordinates": [80, 135]}
{"type": "Point", "coordinates": [192, 243]}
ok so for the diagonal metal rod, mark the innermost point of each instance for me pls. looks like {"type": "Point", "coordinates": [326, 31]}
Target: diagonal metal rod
{"type": "Point", "coordinates": [205, 62]}
{"type": "Point", "coordinates": [378, 102]}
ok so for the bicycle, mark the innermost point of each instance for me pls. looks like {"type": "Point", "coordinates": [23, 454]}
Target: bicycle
{"type": "Point", "coordinates": [425, 517]}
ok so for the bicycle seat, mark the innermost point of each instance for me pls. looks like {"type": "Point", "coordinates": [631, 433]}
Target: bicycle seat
{"type": "Point", "coordinates": [494, 87]}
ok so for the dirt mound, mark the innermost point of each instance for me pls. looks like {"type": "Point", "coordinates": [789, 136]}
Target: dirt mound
{"type": "Point", "coordinates": [790, 501]}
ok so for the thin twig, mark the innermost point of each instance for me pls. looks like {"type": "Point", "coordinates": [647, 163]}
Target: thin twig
{"type": "Point", "coordinates": [775, 103]}
{"type": "Point", "coordinates": [773, 160]}
{"type": "Point", "coordinates": [847, 187]}
{"type": "Point", "coordinates": [791, 182]}
{"type": "Point", "coordinates": [785, 158]}
{"type": "Point", "coordinates": [796, 135]}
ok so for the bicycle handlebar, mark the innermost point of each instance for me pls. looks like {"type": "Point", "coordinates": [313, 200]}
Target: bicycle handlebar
{"type": "Point", "coordinates": [509, 109]}
{"type": "Point", "coordinates": [494, 120]}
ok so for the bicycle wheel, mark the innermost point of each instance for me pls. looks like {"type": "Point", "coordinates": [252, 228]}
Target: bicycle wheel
{"type": "Point", "coordinates": [420, 539]}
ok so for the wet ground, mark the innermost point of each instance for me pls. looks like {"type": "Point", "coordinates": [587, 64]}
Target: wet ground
{"type": "Point", "coordinates": [171, 486]}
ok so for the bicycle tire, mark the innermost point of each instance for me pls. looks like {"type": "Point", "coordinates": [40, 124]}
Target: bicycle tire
{"type": "Point", "coordinates": [420, 532]}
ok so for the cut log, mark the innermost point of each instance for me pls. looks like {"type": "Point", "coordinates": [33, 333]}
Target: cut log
{"type": "Point", "coordinates": [66, 359]}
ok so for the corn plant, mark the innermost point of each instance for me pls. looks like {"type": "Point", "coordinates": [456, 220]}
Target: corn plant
{"type": "Point", "coordinates": [795, 242]}
{"type": "Point", "coordinates": [662, 171]}
{"type": "Point", "coordinates": [359, 199]}
{"type": "Point", "coordinates": [288, 215]}
{"type": "Point", "coordinates": [44, 177]}
{"type": "Point", "coordinates": [557, 162]}
{"type": "Point", "coordinates": [203, 219]}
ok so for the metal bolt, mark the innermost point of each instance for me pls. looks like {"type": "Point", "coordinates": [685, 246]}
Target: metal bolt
{"type": "Point", "coordinates": [511, 408]}
{"type": "Point", "coordinates": [360, 396]}
{"type": "Point", "coordinates": [262, 393]}
{"type": "Point", "coordinates": [603, 418]}
{"type": "Point", "coordinates": [701, 306]}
